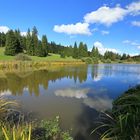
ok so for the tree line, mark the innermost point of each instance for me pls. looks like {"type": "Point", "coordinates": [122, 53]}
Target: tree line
{"type": "Point", "coordinates": [14, 43]}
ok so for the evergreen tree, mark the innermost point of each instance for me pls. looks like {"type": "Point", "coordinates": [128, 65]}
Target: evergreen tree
{"type": "Point", "coordinates": [29, 43]}
{"type": "Point", "coordinates": [124, 57]}
{"type": "Point", "coordinates": [35, 41]}
{"type": "Point", "coordinates": [83, 50]}
{"type": "Point", "coordinates": [75, 51]}
{"type": "Point", "coordinates": [2, 39]}
{"type": "Point", "coordinates": [40, 50]}
{"type": "Point", "coordinates": [95, 52]}
{"type": "Point", "coordinates": [12, 44]}
{"type": "Point", "coordinates": [19, 37]}
{"type": "Point", "coordinates": [45, 44]}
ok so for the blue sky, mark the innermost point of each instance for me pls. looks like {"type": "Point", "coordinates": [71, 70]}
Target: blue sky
{"type": "Point", "coordinates": [107, 24]}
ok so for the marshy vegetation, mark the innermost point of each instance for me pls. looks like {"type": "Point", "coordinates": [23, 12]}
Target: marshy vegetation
{"type": "Point", "coordinates": [14, 126]}
{"type": "Point", "coordinates": [123, 121]}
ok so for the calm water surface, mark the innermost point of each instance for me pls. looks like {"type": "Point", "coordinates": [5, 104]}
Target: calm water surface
{"type": "Point", "coordinates": [76, 93]}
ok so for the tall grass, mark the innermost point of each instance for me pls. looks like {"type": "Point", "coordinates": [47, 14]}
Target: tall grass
{"type": "Point", "coordinates": [123, 122]}
{"type": "Point", "coordinates": [25, 130]}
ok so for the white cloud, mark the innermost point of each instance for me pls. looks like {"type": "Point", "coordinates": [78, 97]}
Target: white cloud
{"type": "Point", "coordinates": [126, 41]}
{"type": "Point", "coordinates": [72, 93]}
{"type": "Point", "coordinates": [103, 49]}
{"type": "Point", "coordinates": [23, 33]}
{"type": "Point", "coordinates": [133, 54]}
{"type": "Point", "coordinates": [134, 8]}
{"type": "Point", "coordinates": [99, 103]}
{"type": "Point", "coordinates": [106, 15]}
{"type": "Point", "coordinates": [94, 30]}
{"type": "Point", "coordinates": [73, 29]}
{"type": "Point", "coordinates": [136, 23]}
{"type": "Point", "coordinates": [131, 43]}
{"type": "Point", "coordinates": [104, 32]}
{"type": "Point", "coordinates": [138, 47]}
{"type": "Point", "coordinates": [4, 29]}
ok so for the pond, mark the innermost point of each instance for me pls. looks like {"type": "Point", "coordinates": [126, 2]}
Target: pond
{"type": "Point", "coordinates": [76, 93]}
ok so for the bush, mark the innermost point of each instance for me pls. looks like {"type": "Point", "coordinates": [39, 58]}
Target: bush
{"type": "Point", "coordinates": [22, 57]}
{"type": "Point", "coordinates": [87, 60]}
{"type": "Point", "coordinates": [95, 60]}
{"type": "Point", "coordinates": [62, 55]}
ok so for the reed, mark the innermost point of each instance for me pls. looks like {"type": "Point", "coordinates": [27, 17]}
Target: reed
{"type": "Point", "coordinates": [35, 64]}
{"type": "Point", "coordinates": [123, 121]}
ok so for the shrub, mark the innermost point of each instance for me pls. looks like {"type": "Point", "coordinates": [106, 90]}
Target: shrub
{"type": "Point", "coordinates": [22, 57]}
{"type": "Point", "coordinates": [87, 60]}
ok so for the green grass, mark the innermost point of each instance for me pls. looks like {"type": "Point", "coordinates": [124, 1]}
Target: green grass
{"type": "Point", "coordinates": [3, 56]}
{"type": "Point", "coordinates": [51, 57]}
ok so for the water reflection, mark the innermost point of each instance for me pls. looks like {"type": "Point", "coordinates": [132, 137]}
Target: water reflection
{"type": "Point", "coordinates": [76, 93]}
{"type": "Point", "coordinates": [72, 93]}
{"type": "Point", "coordinates": [17, 83]}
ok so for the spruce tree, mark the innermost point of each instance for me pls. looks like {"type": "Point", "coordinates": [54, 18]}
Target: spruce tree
{"type": "Point", "coordinates": [45, 44]}
{"type": "Point", "coordinates": [35, 41]}
{"type": "Point", "coordinates": [83, 50]}
{"type": "Point", "coordinates": [12, 44]}
{"type": "Point", "coordinates": [75, 51]}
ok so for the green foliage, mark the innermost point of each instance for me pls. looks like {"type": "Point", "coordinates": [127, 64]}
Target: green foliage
{"type": "Point", "coordinates": [95, 52]}
{"type": "Point", "coordinates": [45, 44]}
{"type": "Point", "coordinates": [82, 50]}
{"type": "Point", "coordinates": [123, 122]}
{"type": "Point", "coordinates": [17, 132]}
{"type": "Point", "coordinates": [22, 130]}
{"type": "Point", "coordinates": [87, 60]}
{"type": "Point", "coordinates": [75, 51]}
{"type": "Point", "coordinates": [22, 57]}
{"type": "Point", "coordinates": [12, 44]}
{"type": "Point", "coordinates": [95, 60]}
{"type": "Point", "coordinates": [52, 127]}
{"type": "Point", "coordinates": [62, 55]}
{"type": "Point", "coordinates": [2, 39]}
{"type": "Point", "coordinates": [53, 130]}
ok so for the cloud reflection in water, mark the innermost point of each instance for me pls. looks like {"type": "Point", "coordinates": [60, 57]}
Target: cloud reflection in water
{"type": "Point", "coordinates": [99, 103]}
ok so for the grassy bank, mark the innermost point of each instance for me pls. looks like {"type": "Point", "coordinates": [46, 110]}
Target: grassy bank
{"type": "Point", "coordinates": [50, 57]}
{"type": "Point", "coordinates": [123, 121]}
{"type": "Point", "coordinates": [15, 126]}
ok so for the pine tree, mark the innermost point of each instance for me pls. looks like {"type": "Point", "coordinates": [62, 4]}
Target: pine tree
{"type": "Point", "coordinates": [40, 50]}
{"type": "Point", "coordinates": [45, 44]}
{"type": "Point", "coordinates": [12, 44]}
{"type": "Point", "coordinates": [19, 37]}
{"type": "Point", "coordinates": [35, 40]}
{"type": "Point", "coordinates": [29, 43]}
{"type": "Point", "coordinates": [2, 39]}
{"type": "Point", "coordinates": [83, 50]}
{"type": "Point", "coordinates": [75, 51]}
{"type": "Point", "coordinates": [95, 52]}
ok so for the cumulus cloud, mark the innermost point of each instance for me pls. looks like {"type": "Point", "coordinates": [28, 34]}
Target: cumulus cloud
{"type": "Point", "coordinates": [23, 33]}
{"type": "Point", "coordinates": [103, 49]}
{"type": "Point", "coordinates": [106, 15]}
{"type": "Point", "coordinates": [134, 8]}
{"type": "Point", "coordinates": [99, 103]}
{"type": "Point", "coordinates": [131, 43]}
{"type": "Point", "coordinates": [73, 29]}
{"type": "Point", "coordinates": [4, 29]}
{"type": "Point", "coordinates": [72, 93]}
{"type": "Point", "coordinates": [104, 32]}
{"type": "Point", "coordinates": [136, 23]}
